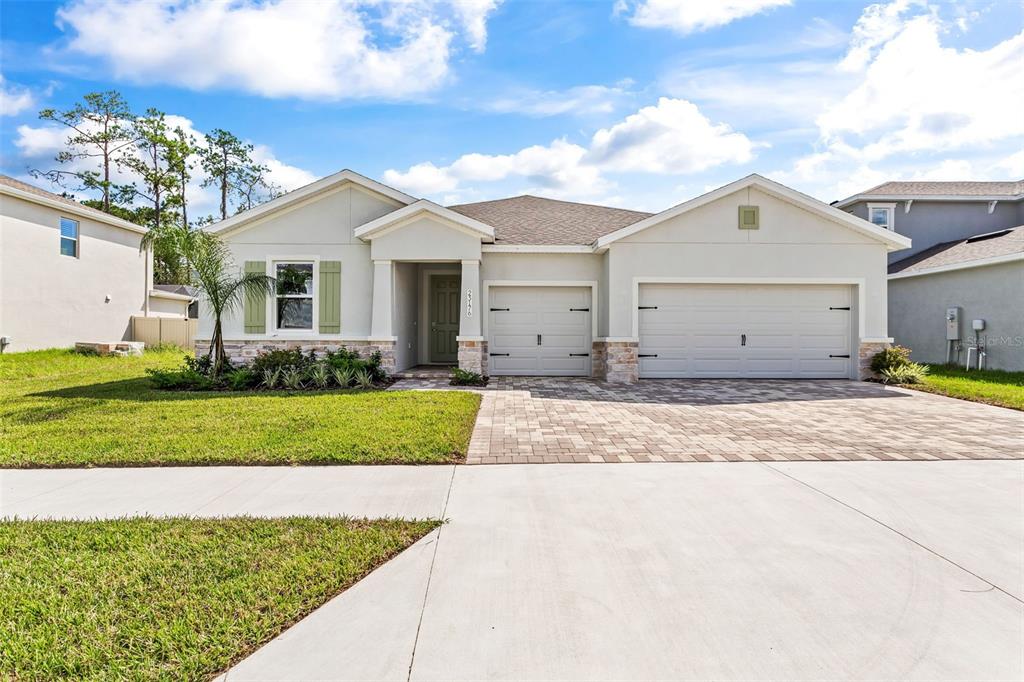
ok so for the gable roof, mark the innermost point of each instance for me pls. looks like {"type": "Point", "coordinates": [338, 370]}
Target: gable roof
{"type": "Point", "coordinates": [23, 190]}
{"type": "Point", "coordinates": [383, 223]}
{"type": "Point", "coordinates": [891, 239]}
{"type": "Point", "coordinates": [301, 194]}
{"type": "Point", "coordinates": [530, 220]}
{"type": "Point", "coordinates": [982, 249]}
{"type": "Point", "coordinates": [940, 191]}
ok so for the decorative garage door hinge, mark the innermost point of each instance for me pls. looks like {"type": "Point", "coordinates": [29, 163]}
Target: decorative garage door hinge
{"type": "Point", "coordinates": [647, 307]}
{"type": "Point", "coordinates": [647, 355]}
{"type": "Point", "coordinates": [504, 355]}
{"type": "Point", "coordinates": [499, 310]}
{"type": "Point", "coordinates": [838, 356]}
{"type": "Point", "coordinates": [579, 310]}
{"type": "Point", "coordinates": [839, 308]}
{"type": "Point", "coordinates": [579, 355]}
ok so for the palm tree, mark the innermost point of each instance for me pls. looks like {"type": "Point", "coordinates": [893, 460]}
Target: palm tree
{"type": "Point", "coordinates": [223, 286]}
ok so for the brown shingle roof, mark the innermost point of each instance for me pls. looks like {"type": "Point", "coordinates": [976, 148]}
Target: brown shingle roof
{"type": "Point", "coordinates": [962, 189]}
{"type": "Point", "coordinates": [979, 247]}
{"type": "Point", "coordinates": [536, 220]}
{"type": "Point", "coordinates": [79, 207]}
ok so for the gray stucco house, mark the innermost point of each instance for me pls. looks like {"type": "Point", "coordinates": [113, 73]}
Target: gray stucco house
{"type": "Point", "coordinates": [966, 262]}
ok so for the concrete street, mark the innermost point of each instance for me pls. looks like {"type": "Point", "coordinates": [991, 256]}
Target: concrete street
{"type": "Point", "coordinates": [797, 570]}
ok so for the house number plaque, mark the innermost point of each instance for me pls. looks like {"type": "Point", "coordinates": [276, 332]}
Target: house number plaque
{"type": "Point", "coordinates": [469, 303]}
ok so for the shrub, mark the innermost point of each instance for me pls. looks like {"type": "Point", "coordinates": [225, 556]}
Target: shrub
{"type": "Point", "coordinates": [341, 357]}
{"type": "Point", "coordinates": [293, 377]}
{"type": "Point", "coordinates": [242, 379]}
{"type": "Point", "coordinates": [320, 375]}
{"type": "Point", "coordinates": [185, 379]}
{"type": "Point", "coordinates": [463, 377]}
{"type": "Point", "coordinates": [910, 373]}
{"type": "Point", "coordinates": [271, 377]}
{"type": "Point", "coordinates": [893, 357]}
{"type": "Point", "coordinates": [202, 364]}
{"type": "Point", "coordinates": [282, 360]}
{"type": "Point", "coordinates": [363, 377]}
{"type": "Point", "coordinates": [344, 376]}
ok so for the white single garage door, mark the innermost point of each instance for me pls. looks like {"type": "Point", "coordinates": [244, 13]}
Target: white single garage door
{"type": "Point", "coordinates": [737, 330]}
{"type": "Point", "coordinates": [542, 331]}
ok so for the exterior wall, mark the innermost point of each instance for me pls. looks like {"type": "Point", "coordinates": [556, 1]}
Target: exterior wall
{"type": "Point", "coordinates": [320, 228]}
{"type": "Point", "coordinates": [406, 315]}
{"type": "Point", "coordinates": [167, 307]}
{"type": "Point", "coordinates": [791, 245]}
{"type": "Point", "coordinates": [933, 222]}
{"type": "Point", "coordinates": [917, 312]}
{"type": "Point", "coordinates": [48, 300]}
{"type": "Point", "coordinates": [425, 239]}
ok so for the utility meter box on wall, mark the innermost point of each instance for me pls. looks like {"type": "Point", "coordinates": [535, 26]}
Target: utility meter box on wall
{"type": "Point", "coordinates": [953, 324]}
{"type": "Point", "coordinates": [978, 325]}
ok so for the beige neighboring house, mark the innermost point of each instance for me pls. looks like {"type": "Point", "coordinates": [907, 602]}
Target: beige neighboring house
{"type": "Point", "coordinates": [752, 279]}
{"type": "Point", "coordinates": [69, 273]}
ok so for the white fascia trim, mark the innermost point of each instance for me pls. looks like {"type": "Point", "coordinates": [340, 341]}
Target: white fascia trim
{"type": "Point", "coordinates": [321, 185]}
{"type": "Point", "coordinates": [71, 209]}
{"type": "Point", "coordinates": [891, 239]}
{"type": "Point", "coordinates": [537, 248]}
{"type": "Point", "coordinates": [981, 262]}
{"type": "Point", "coordinates": [585, 283]}
{"type": "Point", "coordinates": [857, 198]}
{"type": "Point", "coordinates": [157, 293]}
{"type": "Point", "coordinates": [393, 220]}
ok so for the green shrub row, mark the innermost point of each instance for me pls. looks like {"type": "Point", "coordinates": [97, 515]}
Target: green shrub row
{"type": "Point", "coordinates": [894, 366]}
{"type": "Point", "coordinates": [276, 370]}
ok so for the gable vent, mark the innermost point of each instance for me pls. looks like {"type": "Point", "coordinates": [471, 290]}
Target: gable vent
{"type": "Point", "coordinates": [750, 217]}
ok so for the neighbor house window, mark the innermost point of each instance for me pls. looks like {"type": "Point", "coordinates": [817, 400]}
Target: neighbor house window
{"type": "Point", "coordinates": [882, 214]}
{"type": "Point", "coordinates": [294, 295]}
{"type": "Point", "coordinates": [69, 237]}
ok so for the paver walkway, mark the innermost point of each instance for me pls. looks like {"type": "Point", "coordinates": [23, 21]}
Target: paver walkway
{"type": "Point", "coordinates": [526, 420]}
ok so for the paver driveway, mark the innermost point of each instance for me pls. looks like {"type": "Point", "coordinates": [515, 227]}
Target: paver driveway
{"type": "Point", "coordinates": [535, 420]}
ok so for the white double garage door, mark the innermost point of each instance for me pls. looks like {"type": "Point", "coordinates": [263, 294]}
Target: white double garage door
{"type": "Point", "coordinates": [686, 331]}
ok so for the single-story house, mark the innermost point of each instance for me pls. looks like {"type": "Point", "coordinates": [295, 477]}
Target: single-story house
{"type": "Point", "coordinates": [70, 273]}
{"type": "Point", "coordinates": [753, 279]}
{"type": "Point", "coordinates": [978, 278]}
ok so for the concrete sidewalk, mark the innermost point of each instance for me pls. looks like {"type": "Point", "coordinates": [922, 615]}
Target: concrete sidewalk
{"type": "Point", "coordinates": [802, 570]}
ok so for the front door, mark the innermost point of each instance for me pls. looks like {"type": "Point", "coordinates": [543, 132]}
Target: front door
{"type": "Point", "coordinates": [444, 318]}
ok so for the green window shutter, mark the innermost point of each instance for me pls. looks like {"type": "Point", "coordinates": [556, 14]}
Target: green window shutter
{"type": "Point", "coordinates": [749, 217]}
{"type": "Point", "coordinates": [255, 304]}
{"type": "Point", "coordinates": [330, 297]}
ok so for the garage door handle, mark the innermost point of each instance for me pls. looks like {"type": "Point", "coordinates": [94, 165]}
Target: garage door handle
{"type": "Point", "coordinates": [503, 355]}
{"type": "Point", "coordinates": [647, 307]}
{"type": "Point", "coordinates": [838, 356]}
{"type": "Point", "coordinates": [579, 310]}
{"type": "Point", "coordinates": [494, 310]}
{"type": "Point", "coordinates": [743, 339]}
{"type": "Point", "coordinates": [647, 355]}
{"type": "Point", "coordinates": [579, 355]}
{"type": "Point", "coordinates": [538, 339]}
{"type": "Point", "coordinates": [840, 308]}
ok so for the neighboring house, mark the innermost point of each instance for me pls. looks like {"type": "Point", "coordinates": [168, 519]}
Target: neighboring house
{"type": "Point", "coordinates": [967, 256]}
{"type": "Point", "coordinates": [70, 273]}
{"type": "Point", "coordinates": [192, 293]}
{"type": "Point", "coordinates": [751, 280]}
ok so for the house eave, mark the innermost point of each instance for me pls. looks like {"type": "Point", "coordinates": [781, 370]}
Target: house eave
{"type": "Point", "coordinates": [72, 210]}
{"type": "Point", "coordinates": [966, 265]}
{"type": "Point", "coordinates": [859, 198]}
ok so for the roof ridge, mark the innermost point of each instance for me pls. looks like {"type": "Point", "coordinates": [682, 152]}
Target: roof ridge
{"type": "Point", "coordinates": [559, 201]}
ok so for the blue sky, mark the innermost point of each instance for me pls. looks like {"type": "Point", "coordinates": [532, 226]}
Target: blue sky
{"type": "Point", "coordinates": [637, 103]}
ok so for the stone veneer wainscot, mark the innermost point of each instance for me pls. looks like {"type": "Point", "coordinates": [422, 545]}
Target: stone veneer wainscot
{"type": "Point", "coordinates": [242, 352]}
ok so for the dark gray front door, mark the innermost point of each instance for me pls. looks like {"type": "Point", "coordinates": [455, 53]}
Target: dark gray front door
{"type": "Point", "coordinates": [444, 318]}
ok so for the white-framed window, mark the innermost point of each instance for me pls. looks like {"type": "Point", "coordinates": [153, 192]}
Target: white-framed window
{"type": "Point", "coordinates": [69, 237]}
{"type": "Point", "coordinates": [882, 215]}
{"type": "Point", "coordinates": [293, 302]}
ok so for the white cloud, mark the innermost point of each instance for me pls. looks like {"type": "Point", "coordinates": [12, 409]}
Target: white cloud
{"type": "Point", "coordinates": [38, 145]}
{"type": "Point", "coordinates": [690, 16]}
{"type": "Point", "coordinates": [14, 99]}
{"type": "Point", "coordinates": [579, 100]}
{"type": "Point", "coordinates": [672, 137]}
{"type": "Point", "coordinates": [1013, 165]}
{"type": "Point", "coordinates": [329, 49]}
{"type": "Point", "coordinates": [878, 24]}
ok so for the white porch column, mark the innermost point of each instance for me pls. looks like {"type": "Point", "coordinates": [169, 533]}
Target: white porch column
{"type": "Point", "coordinates": [380, 319]}
{"type": "Point", "coordinates": [469, 309]}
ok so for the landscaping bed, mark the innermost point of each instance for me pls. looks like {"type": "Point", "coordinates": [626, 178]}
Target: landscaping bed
{"type": "Point", "coordinates": [179, 599]}
{"type": "Point", "coordinates": [992, 386]}
{"type": "Point", "coordinates": [62, 409]}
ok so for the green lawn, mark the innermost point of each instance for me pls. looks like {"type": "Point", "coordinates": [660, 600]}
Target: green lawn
{"type": "Point", "coordinates": [171, 599]}
{"type": "Point", "coordinates": [61, 409]}
{"type": "Point", "coordinates": [991, 386]}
